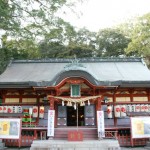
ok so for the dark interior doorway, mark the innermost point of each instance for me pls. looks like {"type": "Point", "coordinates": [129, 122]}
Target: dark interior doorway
{"type": "Point", "coordinates": [72, 116]}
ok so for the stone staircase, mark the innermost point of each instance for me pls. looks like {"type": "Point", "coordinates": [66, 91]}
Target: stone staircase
{"type": "Point", "coordinates": [105, 144]}
{"type": "Point", "coordinates": [88, 133]}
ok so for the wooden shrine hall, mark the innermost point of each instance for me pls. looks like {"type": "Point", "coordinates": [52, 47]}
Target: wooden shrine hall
{"type": "Point", "coordinates": [75, 89]}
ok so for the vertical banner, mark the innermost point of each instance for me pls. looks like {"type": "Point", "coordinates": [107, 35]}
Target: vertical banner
{"type": "Point", "coordinates": [51, 117]}
{"type": "Point", "coordinates": [100, 124]}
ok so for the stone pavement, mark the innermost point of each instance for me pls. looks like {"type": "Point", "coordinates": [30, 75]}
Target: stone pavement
{"type": "Point", "coordinates": [122, 148]}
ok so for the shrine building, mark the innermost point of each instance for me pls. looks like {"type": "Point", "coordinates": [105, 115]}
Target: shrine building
{"type": "Point", "coordinates": [75, 89]}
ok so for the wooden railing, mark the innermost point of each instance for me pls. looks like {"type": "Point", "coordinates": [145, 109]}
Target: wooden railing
{"type": "Point", "coordinates": [88, 134]}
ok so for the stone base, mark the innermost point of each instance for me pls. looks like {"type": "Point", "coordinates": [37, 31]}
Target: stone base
{"type": "Point", "coordinates": [105, 144]}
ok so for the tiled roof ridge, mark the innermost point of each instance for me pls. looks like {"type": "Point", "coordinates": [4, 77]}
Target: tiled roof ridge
{"type": "Point", "coordinates": [69, 60]}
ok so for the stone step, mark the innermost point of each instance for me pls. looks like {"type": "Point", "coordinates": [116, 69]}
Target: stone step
{"type": "Point", "coordinates": [83, 145]}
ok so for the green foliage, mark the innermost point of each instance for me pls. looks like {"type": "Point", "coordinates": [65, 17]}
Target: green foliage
{"type": "Point", "coordinates": [140, 43]}
{"type": "Point", "coordinates": [4, 58]}
{"type": "Point", "coordinates": [36, 33]}
{"type": "Point", "coordinates": [111, 43]}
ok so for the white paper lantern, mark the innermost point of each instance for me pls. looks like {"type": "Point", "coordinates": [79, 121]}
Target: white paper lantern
{"type": "Point", "coordinates": [132, 108]}
{"type": "Point", "coordinates": [15, 109]}
{"type": "Point", "coordinates": [10, 109]}
{"type": "Point", "coordinates": [142, 108]}
{"type": "Point", "coordinates": [1, 109]}
{"type": "Point", "coordinates": [19, 109]}
{"type": "Point", "coordinates": [123, 111]}
{"type": "Point", "coordinates": [128, 108]}
{"type": "Point", "coordinates": [117, 111]}
{"type": "Point", "coordinates": [146, 108]}
{"type": "Point", "coordinates": [35, 111]}
{"type": "Point", "coordinates": [137, 108]}
{"type": "Point", "coordinates": [41, 112]}
{"type": "Point", "coordinates": [5, 109]}
{"type": "Point", "coordinates": [109, 111]}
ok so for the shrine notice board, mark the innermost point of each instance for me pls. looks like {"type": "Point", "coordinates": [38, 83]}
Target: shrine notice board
{"type": "Point", "coordinates": [140, 127]}
{"type": "Point", "coordinates": [10, 128]}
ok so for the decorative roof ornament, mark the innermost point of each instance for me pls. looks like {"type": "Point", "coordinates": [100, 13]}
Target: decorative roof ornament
{"type": "Point", "coordinates": [74, 65]}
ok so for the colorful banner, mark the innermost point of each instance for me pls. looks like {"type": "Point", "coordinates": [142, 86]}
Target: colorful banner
{"type": "Point", "coordinates": [140, 127]}
{"type": "Point", "coordinates": [100, 121]}
{"type": "Point", "coordinates": [10, 128]}
{"type": "Point", "coordinates": [51, 117]}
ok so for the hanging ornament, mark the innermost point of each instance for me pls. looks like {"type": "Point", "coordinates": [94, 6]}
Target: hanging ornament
{"type": "Point", "coordinates": [63, 103]}
{"type": "Point", "coordinates": [83, 104]}
{"type": "Point", "coordinates": [75, 107]}
{"type": "Point", "coordinates": [70, 103]}
{"type": "Point", "coordinates": [88, 103]}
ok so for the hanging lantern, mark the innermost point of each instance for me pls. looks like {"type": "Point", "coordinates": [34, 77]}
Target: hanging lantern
{"type": "Point", "coordinates": [137, 108]}
{"type": "Point", "coordinates": [146, 108]}
{"type": "Point", "coordinates": [41, 112]}
{"type": "Point", "coordinates": [117, 110]}
{"type": "Point", "coordinates": [35, 111]}
{"type": "Point", "coordinates": [10, 109]}
{"type": "Point", "coordinates": [15, 109]}
{"type": "Point", "coordinates": [109, 111]}
{"type": "Point", "coordinates": [128, 108]}
{"type": "Point", "coordinates": [5, 109]}
{"type": "Point", "coordinates": [1, 109]}
{"type": "Point", "coordinates": [123, 111]}
{"type": "Point", "coordinates": [132, 108]}
{"type": "Point", "coordinates": [142, 108]}
{"type": "Point", "coordinates": [19, 109]}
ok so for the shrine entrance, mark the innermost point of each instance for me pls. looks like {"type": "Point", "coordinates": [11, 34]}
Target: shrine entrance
{"type": "Point", "coordinates": [72, 115]}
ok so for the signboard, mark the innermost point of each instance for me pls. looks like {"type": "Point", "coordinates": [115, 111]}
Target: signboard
{"type": "Point", "coordinates": [10, 128]}
{"type": "Point", "coordinates": [51, 117]}
{"type": "Point", "coordinates": [100, 121]}
{"type": "Point", "coordinates": [140, 127]}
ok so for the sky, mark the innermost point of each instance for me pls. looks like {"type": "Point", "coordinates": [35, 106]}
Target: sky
{"type": "Point", "coordinates": [98, 14]}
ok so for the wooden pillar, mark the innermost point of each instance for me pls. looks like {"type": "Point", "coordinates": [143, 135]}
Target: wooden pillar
{"type": "Point", "coordinates": [149, 95]}
{"type": "Point", "coordinates": [99, 99]}
{"type": "Point", "coordinates": [131, 95]}
{"type": "Point", "coordinates": [51, 101]}
{"type": "Point", "coordinates": [114, 100]}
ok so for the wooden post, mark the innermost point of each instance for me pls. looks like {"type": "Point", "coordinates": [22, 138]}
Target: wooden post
{"type": "Point", "coordinates": [51, 101]}
{"type": "Point", "coordinates": [114, 100]}
{"type": "Point", "coordinates": [149, 95]}
{"type": "Point", "coordinates": [99, 99]}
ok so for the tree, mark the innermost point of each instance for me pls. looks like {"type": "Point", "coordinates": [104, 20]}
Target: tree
{"type": "Point", "coordinates": [111, 43]}
{"type": "Point", "coordinates": [26, 23]}
{"type": "Point", "coordinates": [140, 43]}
